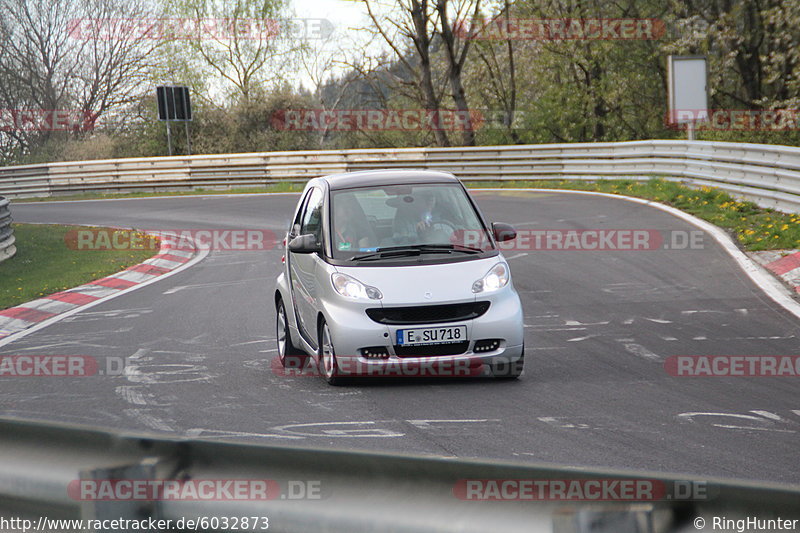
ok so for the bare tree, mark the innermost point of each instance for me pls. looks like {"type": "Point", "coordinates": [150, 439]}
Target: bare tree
{"type": "Point", "coordinates": [246, 43]}
{"type": "Point", "coordinates": [456, 50]}
{"type": "Point", "coordinates": [39, 61]}
{"type": "Point", "coordinates": [319, 61]}
{"type": "Point", "coordinates": [117, 63]}
{"type": "Point", "coordinates": [496, 74]}
{"type": "Point", "coordinates": [76, 55]}
{"type": "Point", "coordinates": [424, 40]}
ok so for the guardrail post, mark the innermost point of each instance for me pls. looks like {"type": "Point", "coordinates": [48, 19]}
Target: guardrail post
{"type": "Point", "coordinates": [97, 506]}
{"type": "Point", "coordinates": [7, 239]}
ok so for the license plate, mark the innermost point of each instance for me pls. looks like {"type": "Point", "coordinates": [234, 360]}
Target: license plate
{"type": "Point", "coordinates": [443, 335]}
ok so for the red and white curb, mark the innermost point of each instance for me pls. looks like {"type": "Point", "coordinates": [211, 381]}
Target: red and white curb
{"type": "Point", "coordinates": [784, 264]}
{"type": "Point", "coordinates": [16, 322]}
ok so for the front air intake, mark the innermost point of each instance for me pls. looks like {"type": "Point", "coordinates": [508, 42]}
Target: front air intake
{"type": "Point", "coordinates": [428, 314]}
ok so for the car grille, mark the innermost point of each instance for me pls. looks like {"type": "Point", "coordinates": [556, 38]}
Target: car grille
{"type": "Point", "coordinates": [428, 314]}
{"type": "Point", "coordinates": [430, 350]}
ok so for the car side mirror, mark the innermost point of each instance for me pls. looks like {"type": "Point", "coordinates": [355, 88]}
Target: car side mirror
{"type": "Point", "coordinates": [503, 232]}
{"type": "Point", "coordinates": [305, 244]}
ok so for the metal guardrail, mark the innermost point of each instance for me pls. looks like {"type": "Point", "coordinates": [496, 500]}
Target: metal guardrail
{"type": "Point", "coordinates": [41, 464]}
{"type": "Point", "coordinates": [766, 174]}
{"type": "Point", "coordinates": [7, 240]}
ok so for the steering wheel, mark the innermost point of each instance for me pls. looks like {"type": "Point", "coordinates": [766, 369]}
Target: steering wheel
{"type": "Point", "coordinates": [441, 227]}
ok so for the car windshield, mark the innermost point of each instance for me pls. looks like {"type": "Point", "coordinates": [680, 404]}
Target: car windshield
{"type": "Point", "coordinates": [372, 218]}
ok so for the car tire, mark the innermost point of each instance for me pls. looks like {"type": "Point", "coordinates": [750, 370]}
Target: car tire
{"type": "Point", "coordinates": [288, 354]}
{"type": "Point", "coordinates": [506, 370]}
{"type": "Point", "coordinates": [326, 355]}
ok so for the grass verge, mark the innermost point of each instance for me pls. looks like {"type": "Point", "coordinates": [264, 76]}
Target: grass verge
{"type": "Point", "coordinates": [44, 264]}
{"type": "Point", "coordinates": [753, 227]}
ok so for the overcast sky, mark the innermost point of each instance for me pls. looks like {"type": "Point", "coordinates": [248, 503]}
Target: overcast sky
{"type": "Point", "coordinates": [345, 16]}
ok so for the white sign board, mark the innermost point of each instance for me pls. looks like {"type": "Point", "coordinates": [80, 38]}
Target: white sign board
{"type": "Point", "coordinates": [688, 93]}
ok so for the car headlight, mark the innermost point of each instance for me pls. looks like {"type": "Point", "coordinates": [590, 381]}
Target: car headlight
{"type": "Point", "coordinates": [496, 278]}
{"type": "Point", "coordinates": [350, 287]}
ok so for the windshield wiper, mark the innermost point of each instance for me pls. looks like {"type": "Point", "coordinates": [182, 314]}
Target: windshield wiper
{"type": "Point", "coordinates": [385, 254]}
{"type": "Point", "coordinates": [415, 249]}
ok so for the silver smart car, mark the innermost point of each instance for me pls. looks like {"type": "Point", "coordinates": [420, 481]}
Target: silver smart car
{"type": "Point", "coordinates": [396, 270]}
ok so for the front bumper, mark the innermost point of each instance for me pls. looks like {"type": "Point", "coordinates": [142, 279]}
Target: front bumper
{"type": "Point", "coordinates": [353, 332]}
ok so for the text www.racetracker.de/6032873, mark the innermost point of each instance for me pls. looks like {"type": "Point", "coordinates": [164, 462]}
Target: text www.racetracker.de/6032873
{"type": "Point", "coordinates": [48, 525]}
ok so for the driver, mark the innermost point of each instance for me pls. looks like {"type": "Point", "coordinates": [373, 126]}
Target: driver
{"type": "Point", "coordinates": [416, 218]}
{"type": "Point", "coordinates": [428, 215]}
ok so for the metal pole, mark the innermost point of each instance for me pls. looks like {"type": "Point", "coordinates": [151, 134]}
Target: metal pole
{"type": "Point", "coordinates": [169, 138]}
{"type": "Point", "coordinates": [690, 130]}
{"type": "Point", "coordinates": [188, 140]}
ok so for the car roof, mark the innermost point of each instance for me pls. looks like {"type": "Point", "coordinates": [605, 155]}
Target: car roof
{"type": "Point", "coordinates": [366, 178]}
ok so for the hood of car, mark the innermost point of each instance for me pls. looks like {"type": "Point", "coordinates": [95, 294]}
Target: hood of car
{"type": "Point", "coordinates": [424, 284]}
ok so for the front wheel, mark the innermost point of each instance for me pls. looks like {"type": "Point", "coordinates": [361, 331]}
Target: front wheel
{"type": "Point", "coordinates": [327, 355]}
{"type": "Point", "coordinates": [509, 370]}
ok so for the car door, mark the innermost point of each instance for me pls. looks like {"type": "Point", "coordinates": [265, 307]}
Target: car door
{"type": "Point", "coordinates": [303, 267]}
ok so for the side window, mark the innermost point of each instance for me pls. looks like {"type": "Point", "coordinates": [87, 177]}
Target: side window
{"type": "Point", "coordinates": [312, 218]}
{"type": "Point", "coordinates": [298, 219]}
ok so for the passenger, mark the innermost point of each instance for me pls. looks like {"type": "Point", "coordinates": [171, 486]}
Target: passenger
{"type": "Point", "coordinates": [349, 234]}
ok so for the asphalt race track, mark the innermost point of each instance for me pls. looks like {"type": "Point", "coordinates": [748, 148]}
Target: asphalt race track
{"type": "Point", "coordinates": [599, 326]}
